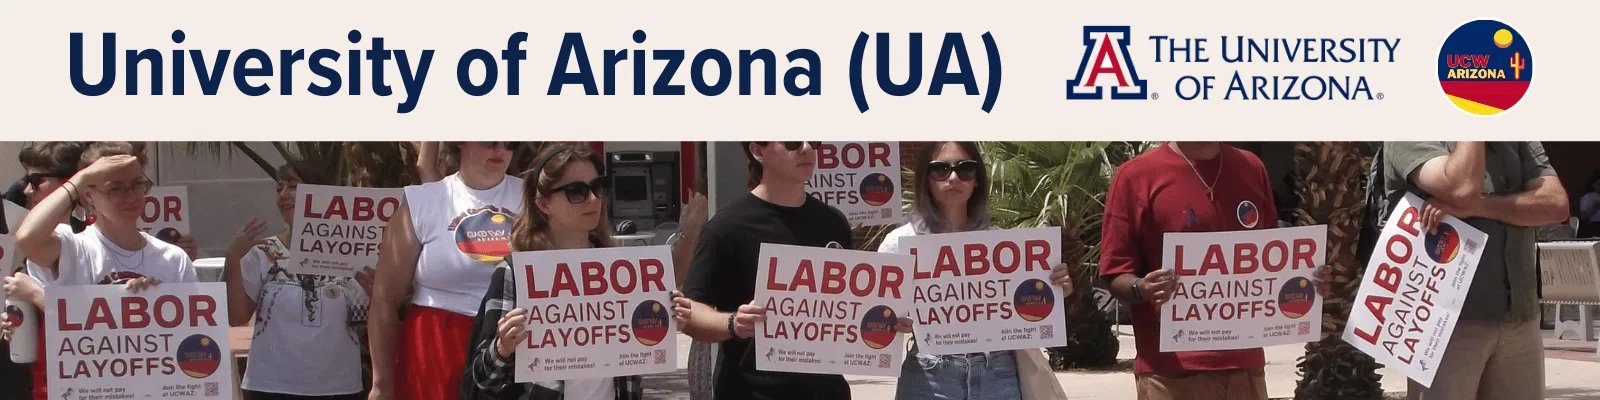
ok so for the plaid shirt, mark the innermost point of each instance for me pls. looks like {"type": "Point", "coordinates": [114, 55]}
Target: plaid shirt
{"type": "Point", "coordinates": [489, 375]}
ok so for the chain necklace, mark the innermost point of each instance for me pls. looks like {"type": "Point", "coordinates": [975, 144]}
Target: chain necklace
{"type": "Point", "coordinates": [1210, 187]}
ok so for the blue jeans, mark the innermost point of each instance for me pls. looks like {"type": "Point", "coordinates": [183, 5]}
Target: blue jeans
{"type": "Point", "coordinates": [975, 376]}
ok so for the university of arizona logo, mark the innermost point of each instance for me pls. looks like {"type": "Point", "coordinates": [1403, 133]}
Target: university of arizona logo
{"type": "Point", "coordinates": [1106, 63]}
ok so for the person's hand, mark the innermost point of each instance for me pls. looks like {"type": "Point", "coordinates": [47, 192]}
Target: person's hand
{"type": "Point", "coordinates": [682, 309]}
{"type": "Point", "coordinates": [744, 320]}
{"type": "Point", "coordinates": [1434, 211]}
{"type": "Point", "coordinates": [364, 278]}
{"type": "Point", "coordinates": [378, 393]}
{"type": "Point", "coordinates": [22, 287]}
{"type": "Point", "coordinates": [1156, 287]}
{"type": "Point", "coordinates": [139, 284]}
{"type": "Point", "coordinates": [1323, 281]}
{"type": "Point", "coordinates": [186, 243]}
{"type": "Point", "coordinates": [903, 325]}
{"type": "Point", "coordinates": [1061, 276]}
{"type": "Point", "coordinates": [510, 331]}
{"type": "Point", "coordinates": [246, 238]}
{"type": "Point", "coordinates": [95, 173]}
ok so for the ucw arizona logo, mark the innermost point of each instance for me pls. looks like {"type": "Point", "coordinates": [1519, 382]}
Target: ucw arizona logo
{"type": "Point", "coordinates": [1106, 64]}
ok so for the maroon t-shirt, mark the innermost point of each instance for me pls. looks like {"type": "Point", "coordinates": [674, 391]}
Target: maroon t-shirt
{"type": "Point", "coordinates": [1156, 193]}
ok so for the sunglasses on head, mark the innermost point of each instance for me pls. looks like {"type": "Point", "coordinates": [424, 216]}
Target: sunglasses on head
{"type": "Point", "coordinates": [967, 170]}
{"type": "Point", "coordinates": [795, 146]}
{"type": "Point", "coordinates": [578, 192]}
{"type": "Point", "coordinates": [35, 178]}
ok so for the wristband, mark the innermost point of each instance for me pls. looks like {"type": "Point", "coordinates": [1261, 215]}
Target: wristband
{"type": "Point", "coordinates": [732, 333]}
{"type": "Point", "coordinates": [1136, 294]}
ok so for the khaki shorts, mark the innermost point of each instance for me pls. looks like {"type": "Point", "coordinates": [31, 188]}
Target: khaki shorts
{"type": "Point", "coordinates": [1489, 361]}
{"type": "Point", "coordinates": [1238, 384]}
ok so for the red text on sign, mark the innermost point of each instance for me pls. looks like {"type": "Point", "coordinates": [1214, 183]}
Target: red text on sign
{"type": "Point", "coordinates": [620, 277]}
{"type": "Point", "coordinates": [853, 156]}
{"type": "Point", "coordinates": [354, 208]}
{"type": "Point", "coordinates": [1246, 258]}
{"type": "Point", "coordinates": [167, 311]}
{"type": "Point", "coordinates": [167, 208]}
{"type": "Point", "coordinates": [979, 258]}
{"type": "Point", "coordinates": [862, 280]}
{"type": "Point", "coordinates": [1397, 249]}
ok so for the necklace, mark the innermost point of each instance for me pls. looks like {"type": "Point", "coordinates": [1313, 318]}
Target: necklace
{"type": "Point", "coordinates": [1210, 187]}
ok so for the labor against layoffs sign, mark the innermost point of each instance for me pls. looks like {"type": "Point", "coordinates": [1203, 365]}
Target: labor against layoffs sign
{"type": "Point", "coordinates": [167, 342]}
{"type": "Point", "coordinates": [986, 291]}
{"type": "Point", "coordinates": [831, 311]}
{"type": "Point", "coordinates": [1411, 295]}
{"type": "Point", "coordinates": [1243, 289]}
{"type": "Point", "coordinates": [861, 179]}
{"type": "Point", "coordinates": [337, 229]}
{"type": "Point", "coordinates": [595, 313]}
{"type": "Point", "coordinates": [166, 213]}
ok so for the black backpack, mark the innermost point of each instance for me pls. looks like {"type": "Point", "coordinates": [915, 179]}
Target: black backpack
{"type": "Point", "coordinates": [1376, 210]}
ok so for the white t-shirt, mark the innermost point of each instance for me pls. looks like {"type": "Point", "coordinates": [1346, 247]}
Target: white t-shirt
{"type": "Point", "coordinates": [589, 389]}
{"type": "Point", "coordinates": [464, 234]}
{"type": "Point", "coordinates": [305, 341]}
{"type": "Point", "coordinates": [89, 258]}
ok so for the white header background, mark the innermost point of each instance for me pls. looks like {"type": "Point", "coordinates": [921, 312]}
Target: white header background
{"type": "Point", "coordinates": [1040, 45]}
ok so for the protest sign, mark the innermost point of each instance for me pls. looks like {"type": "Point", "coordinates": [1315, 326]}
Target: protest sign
{"type": "Point", "coordinates": [1411, 296]}
{"type": "Point", "coordinates": [14, 214]}
{"type": "Point", "coordinates": [861, 179]}
{"type": "Point", "coordinates": [8, 248]}
{"type": "Point", "coordinates": [169, 342]}
{"type": "Point", "coordinates": [595, 313]}
{"type": "Point", "coordinates": [1243, 289]}
{"type": "Point", "coordinates": [986, 291]}
{"type": "Point", "coordinates": [831, 311]}
{"type": "Point", "coordinates": [165, 214]}
{"type": "Point", "coordinates": [337, 229]}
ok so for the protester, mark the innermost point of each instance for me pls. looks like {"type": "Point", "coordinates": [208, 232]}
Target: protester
{"type": "Point", "coordinates": [307, 339]}
{"type": "Point", "coordinates": [563, 208]}
{"type": "Point", "coordinates": [1181, 187]}
{"type": "Point", "coordinates": [952, 190]}
{"type": "Point", "coordinates": [113, 250]}
{"type": "Point", "coordinates": [1506, 190]}
{"type": "Point", "coordinates": [721, 280]}
{"type": "Point", "coordinates": [445, 239]}
{"type": "Point", "coordinates": [47, 165]}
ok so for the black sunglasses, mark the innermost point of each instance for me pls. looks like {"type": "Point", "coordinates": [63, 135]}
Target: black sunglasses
{"type": "Point", "coordinates": [967, 170]}
{"type": "Point", "coordinates": [794, 146]}
{"type": "Point", "coordinates": [577, 192]}
{"type": "Point", "coordinates": [507, 145]}
{"type": "Point", "coordinates": [35, 178]}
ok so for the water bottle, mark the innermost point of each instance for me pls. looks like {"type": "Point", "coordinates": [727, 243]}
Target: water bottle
{"type": "Point", "coordinates": [20, 315]}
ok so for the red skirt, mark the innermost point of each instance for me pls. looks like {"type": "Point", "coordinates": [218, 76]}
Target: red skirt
{"type": "Point", "coordinates": [431, 357]}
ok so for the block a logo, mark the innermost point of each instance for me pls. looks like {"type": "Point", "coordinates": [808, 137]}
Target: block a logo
{"type": "Point", "coordinates": [1106, 64]}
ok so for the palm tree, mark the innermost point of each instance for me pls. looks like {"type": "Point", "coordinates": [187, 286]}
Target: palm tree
{"type": "Point", "coordinates": [1331, 177]}
{"type": "Point", "coordinates": [1063, 184]}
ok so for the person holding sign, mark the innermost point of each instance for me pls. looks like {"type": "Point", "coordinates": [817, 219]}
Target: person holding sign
{"type": "Point", "coordinates": [722, 276]}
{"type": "Point", "coordinates": [564, 209]}
{"type": "Point", "coordinates": [1181, 187]}
{"type": "Point", "coordinates": [1504, 189]}
{"type": "Point", "coordinates": [307, 337]}
{"type": "Point", "coordinates": [952, 190]}
{"type": "Point", "coordinates": [112, 251]}
{"type": "Point", "coordinates": [48, 167]}
{"type": "Point", "coordinates": [445, 240]}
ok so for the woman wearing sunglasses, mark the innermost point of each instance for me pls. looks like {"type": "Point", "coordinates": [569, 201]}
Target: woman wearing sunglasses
{"type": "Point", "coordinates": [952, 192]}
{"type": "Point", "coordinates": [307, 339]}
{"type": "Point", "coordinates": [112, 186]}
{"type": "Point", "coordinates": [443, 242]}
{"type": "Point", "coordinates": [564, 209]}
{"type": "Point", "coordinates": [48, 166]}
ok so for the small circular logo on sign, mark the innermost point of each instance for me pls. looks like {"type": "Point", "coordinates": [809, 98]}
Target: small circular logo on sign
{"type": "Point", "coordinates": [1035, 300]}
{"type": "Point", "coordinates": [1296, 297]}
{"type": "Point", "coordinates": [650, 322]}
{"type": "Point", "coordinates": [169, 235]}
{"type": "Point", "coordinates": [199, 356]}
{"type": "Point", "coordinates": [877, 327]}
{"type": "Point", "coordinates": [877, 189]}
{"type": "Point", "coordinates": [1444, 244]}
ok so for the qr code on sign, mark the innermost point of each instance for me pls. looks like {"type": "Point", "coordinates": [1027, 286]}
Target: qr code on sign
{"type": "Point", "coordinates": [1047, 332]}
{"type": "Point", "coordinates": [885, 213]}
{"type": "Point", "coordinates": [1305, 328]}
{"type": "Point", "coordinates": [661, 356]}
{"type": "Point", "coordinates": [1471, 246]}
{"type": "Point", "coordinates": [883, 361]}
{"type": "Point", "coordinates": [211, 389]}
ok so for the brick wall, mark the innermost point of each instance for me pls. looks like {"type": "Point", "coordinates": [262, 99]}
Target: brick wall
{"type": "Point", "coordinates": [864, 238]}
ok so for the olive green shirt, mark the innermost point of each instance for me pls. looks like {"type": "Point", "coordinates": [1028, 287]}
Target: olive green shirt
{"type": "Point", "coordinates": [1506, 287]}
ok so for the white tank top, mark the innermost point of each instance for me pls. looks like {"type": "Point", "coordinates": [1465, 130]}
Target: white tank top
{"type": "Point", "coordinates": [464, 234]}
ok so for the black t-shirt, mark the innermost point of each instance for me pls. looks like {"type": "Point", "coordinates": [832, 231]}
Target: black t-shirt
{"type": "Point", "coordinates": [723, 275]}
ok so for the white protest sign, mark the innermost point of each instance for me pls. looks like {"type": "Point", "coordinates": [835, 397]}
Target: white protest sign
{"type": "Point", "coordinates": [166, 213]}
{"type": "Point", "coordinates": [337, 229]}
{"type": "Point", "coordinates": [168, 342]}
{"type": "Point", "coordinates": [14, 214]}
{"type": "Point", "coordinates": [1243, 289]}
{"type": "Point", "coordinates": [986, 291]}
{"type": "Point", "coordinates": [861, 179]}
{"type": "Point", "coordinates": [8, 248]}
{"type": "Point", "coordinates": [595, 313]}
{"type": "Point", "coordinates": [831, 311]}
{"type": "Point", "coordinates": [1411, 296]}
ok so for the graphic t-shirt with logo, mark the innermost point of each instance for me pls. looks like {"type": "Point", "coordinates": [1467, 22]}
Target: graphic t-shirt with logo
{"type": "Point", "coordinates": [464, 233]}
{"type": "Point", "coordinates": [306, 339]}
{"type": "Point", "coordinates": [1158, 192]}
